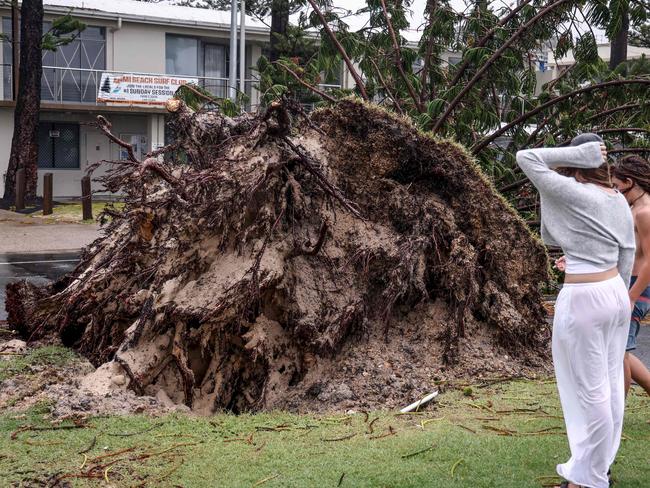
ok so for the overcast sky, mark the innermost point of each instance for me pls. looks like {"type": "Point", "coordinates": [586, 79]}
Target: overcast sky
{"type": "Point", "coordinates": [417, 17]}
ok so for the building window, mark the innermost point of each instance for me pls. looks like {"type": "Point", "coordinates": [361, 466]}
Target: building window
{"type": "Point", "coordinates": [189, 56]}
{"type": "Point", "coordinates": [72, 73]}
{"type": "Point", "coordinates": [58, 145]}
{"type": "Point", "coordinates": [215, 69]}
{"type": "Point", "coordinates": [7, 55]}
{"type": "Point", "coordinates": [182, 55]}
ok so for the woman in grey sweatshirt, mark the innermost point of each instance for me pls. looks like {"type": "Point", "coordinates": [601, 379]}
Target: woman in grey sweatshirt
{"type": "Point", "coordinates": [592, 223]}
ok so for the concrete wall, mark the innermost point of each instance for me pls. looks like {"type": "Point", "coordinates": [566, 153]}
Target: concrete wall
{"type": "Point", "coordinates": [137, 47]}
{"type": "Point", "coordinates": [93, 147]}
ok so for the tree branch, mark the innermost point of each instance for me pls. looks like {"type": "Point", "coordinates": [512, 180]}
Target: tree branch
{"type": "Point", "coordinates": [432, 6]}
{"type": "Point", "coordinates": [105, 126]}
{"type": "Point", "coordinates": [611, 111]}
{"type": "Point", "coordinates": [623, 129]}
{"type": "Point", "coordinates": [484, 40]}
{"type": "Point", "coordinates": [383, 83]}
{"type": "Point", "coordinates": [341, 50]}
{"type": "Point", "coordinates": [497, 54]}
{"type": "Point", "coordinates": [487, 140]}
{"type": "Point", "coordinates": [630, 150]}
{"type": "Point", "coordinates": [305, 84]}
{"type": "Point", "coordinates": [398, 60]}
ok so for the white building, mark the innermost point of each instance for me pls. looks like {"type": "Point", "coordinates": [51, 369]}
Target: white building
{"type": "Point", "coordinates": [552, 68]}
{"type": "Point", "coordinates": [146, 40]}
{"type": "Point", "coordinates": [154, 46]}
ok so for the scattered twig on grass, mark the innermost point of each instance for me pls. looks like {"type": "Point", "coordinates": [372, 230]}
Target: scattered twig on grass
{"type": "Point", "coordinates": [390, 432]}
{"type": "Point", "coordinates": [112, 454]}
{"type": "Point", "coordinates": [90, 447]}
{"type": "Point", "coordinates": [42, 443]}
{"type": "Point", "coordinates": [169, 472]}
{"type": "Point", "coordinates": [453, 468]}
{"type": "Point", "coordinates": [499, 430]}
{"type": "Point", "coordinates": [428, 421]}
{"type": "Point", "coordinates": [370, 429]}
{"type": "Point", "coordinates": [129, 434]}
{"type": "Point", "coordinates": [26, 428]}
{"type": "Point", "coordinates": [262, 481]}
{"type": "Point", "coordinates": [341, 479]}
{"type": "Point", "coordinates": [344, 438]}
{"type": "Point", "coordinates": [421, 451]}
{"type": "Point", "coordinates": [466, 428]}
{"type": "Point", "coordinates": [338, 419]}
{"type": "Point", "coordinates": [248, 439]}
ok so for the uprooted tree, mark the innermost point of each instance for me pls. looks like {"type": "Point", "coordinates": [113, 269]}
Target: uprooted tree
{"type": "Point", "coordinates": [292, 253]}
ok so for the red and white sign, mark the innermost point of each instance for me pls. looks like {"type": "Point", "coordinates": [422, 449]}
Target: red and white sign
{"type": "Point", "coordinates": [130, 89]}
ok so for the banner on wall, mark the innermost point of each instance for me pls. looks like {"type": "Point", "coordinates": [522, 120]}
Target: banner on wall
{"type": "Point", "coordinates": [129, 89]}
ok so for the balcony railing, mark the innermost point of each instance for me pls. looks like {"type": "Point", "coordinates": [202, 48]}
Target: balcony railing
{"type": "Point", "coordinates": [80, 86]}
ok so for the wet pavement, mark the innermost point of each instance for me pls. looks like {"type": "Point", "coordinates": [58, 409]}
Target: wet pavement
{"type": "Point", "coordinates": [24, 234]}
{"type": "Point", "coordinates": [38, 268]}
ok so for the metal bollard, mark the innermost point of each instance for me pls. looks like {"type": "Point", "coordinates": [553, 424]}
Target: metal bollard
{"type": "Point", "coordinates": [20, 189]}
{"type": "Point", "coordinates": [47, 193]}
{"type": "Point", "coordinates": [86, 198]}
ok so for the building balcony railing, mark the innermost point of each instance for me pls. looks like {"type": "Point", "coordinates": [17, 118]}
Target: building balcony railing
{"type": "Point", "coordinates": [81, 86]}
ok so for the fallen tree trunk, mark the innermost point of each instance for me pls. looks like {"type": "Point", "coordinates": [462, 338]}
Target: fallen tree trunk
{"type": "Point", "coordinates": [294, 262]}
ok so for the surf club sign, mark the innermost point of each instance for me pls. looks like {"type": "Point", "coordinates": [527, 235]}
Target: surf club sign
{"type": "Point", "coordinates": [130, 89]}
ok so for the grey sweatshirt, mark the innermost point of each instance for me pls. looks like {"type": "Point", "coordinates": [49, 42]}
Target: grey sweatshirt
{"type": "Point", "coordinates": [587, 222]}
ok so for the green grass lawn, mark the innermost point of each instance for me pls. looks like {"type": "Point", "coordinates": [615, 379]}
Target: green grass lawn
{"type": "Point", "coordinates": [505, 435]}
{"type": "Point", "coordinates": [71, 212]}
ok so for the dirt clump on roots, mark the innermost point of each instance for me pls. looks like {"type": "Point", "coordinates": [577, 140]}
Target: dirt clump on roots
{"type": "Point", "coordinates": [279, 260]}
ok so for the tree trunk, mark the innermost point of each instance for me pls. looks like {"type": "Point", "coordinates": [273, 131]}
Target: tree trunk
{"type": "Point", "coordinates": [24, 145]}
{"type": "Point", "coordinates": [279, 24]}
{"type": "Point", "coordinates": [618, 49]}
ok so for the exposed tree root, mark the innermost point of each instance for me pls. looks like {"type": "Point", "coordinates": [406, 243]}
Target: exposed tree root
{"type": "Point", "coordinates": [280, 254]}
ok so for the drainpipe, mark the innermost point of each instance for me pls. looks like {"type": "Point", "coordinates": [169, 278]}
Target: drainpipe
{"type": "Point", "coordinates": [242, 48]}
{"type": "Point", "coordinates": [15, 30]}
{"type": "Point", "coordinates": [232, 82]}
{"type": "Point", "coordinates": [117, 27]}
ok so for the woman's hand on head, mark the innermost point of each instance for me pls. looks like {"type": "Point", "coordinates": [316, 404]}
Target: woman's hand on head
{"type": "Point", "coordinates": [603, 151]}
{"type": "Point", "coordinates": [560, 264]}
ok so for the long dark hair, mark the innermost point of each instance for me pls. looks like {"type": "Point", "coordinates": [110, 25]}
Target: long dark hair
{"type": "Point", "coordinates": [598, 176]}
{"type": "Point", "coordinates": [634, 168]}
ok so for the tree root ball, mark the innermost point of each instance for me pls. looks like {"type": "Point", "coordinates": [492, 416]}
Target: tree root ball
{"type": "Point", "coordinates": [279, 260]}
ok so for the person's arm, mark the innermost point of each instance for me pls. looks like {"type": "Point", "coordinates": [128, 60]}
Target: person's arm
{"type": "Point", "coordinates": [627, 248]}
{"type": "Point", "coordinates": [625, 263]}
{"type": "Point", "coordinates": [538, 165]}
{"type": "Point", "coordinates": [642, 222]}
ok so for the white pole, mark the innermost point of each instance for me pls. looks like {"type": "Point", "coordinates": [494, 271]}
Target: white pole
{"type": "Point", "coordinates": [416, 405]}
{"type": "Point", "coordinates": [242, 48]}
{"type": "Point", "coordinates": [232, 81]}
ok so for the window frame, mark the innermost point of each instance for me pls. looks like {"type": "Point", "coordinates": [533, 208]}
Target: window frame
{"type": "Point", "coordinates": [52, 126]}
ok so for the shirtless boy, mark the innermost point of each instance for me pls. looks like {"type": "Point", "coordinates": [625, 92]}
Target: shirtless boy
{"type": "Point", "coordinates": [632, 178]}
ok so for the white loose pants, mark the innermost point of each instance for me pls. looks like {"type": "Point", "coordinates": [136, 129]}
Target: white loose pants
{"type": "Point", "coordinates": [589, 336]}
